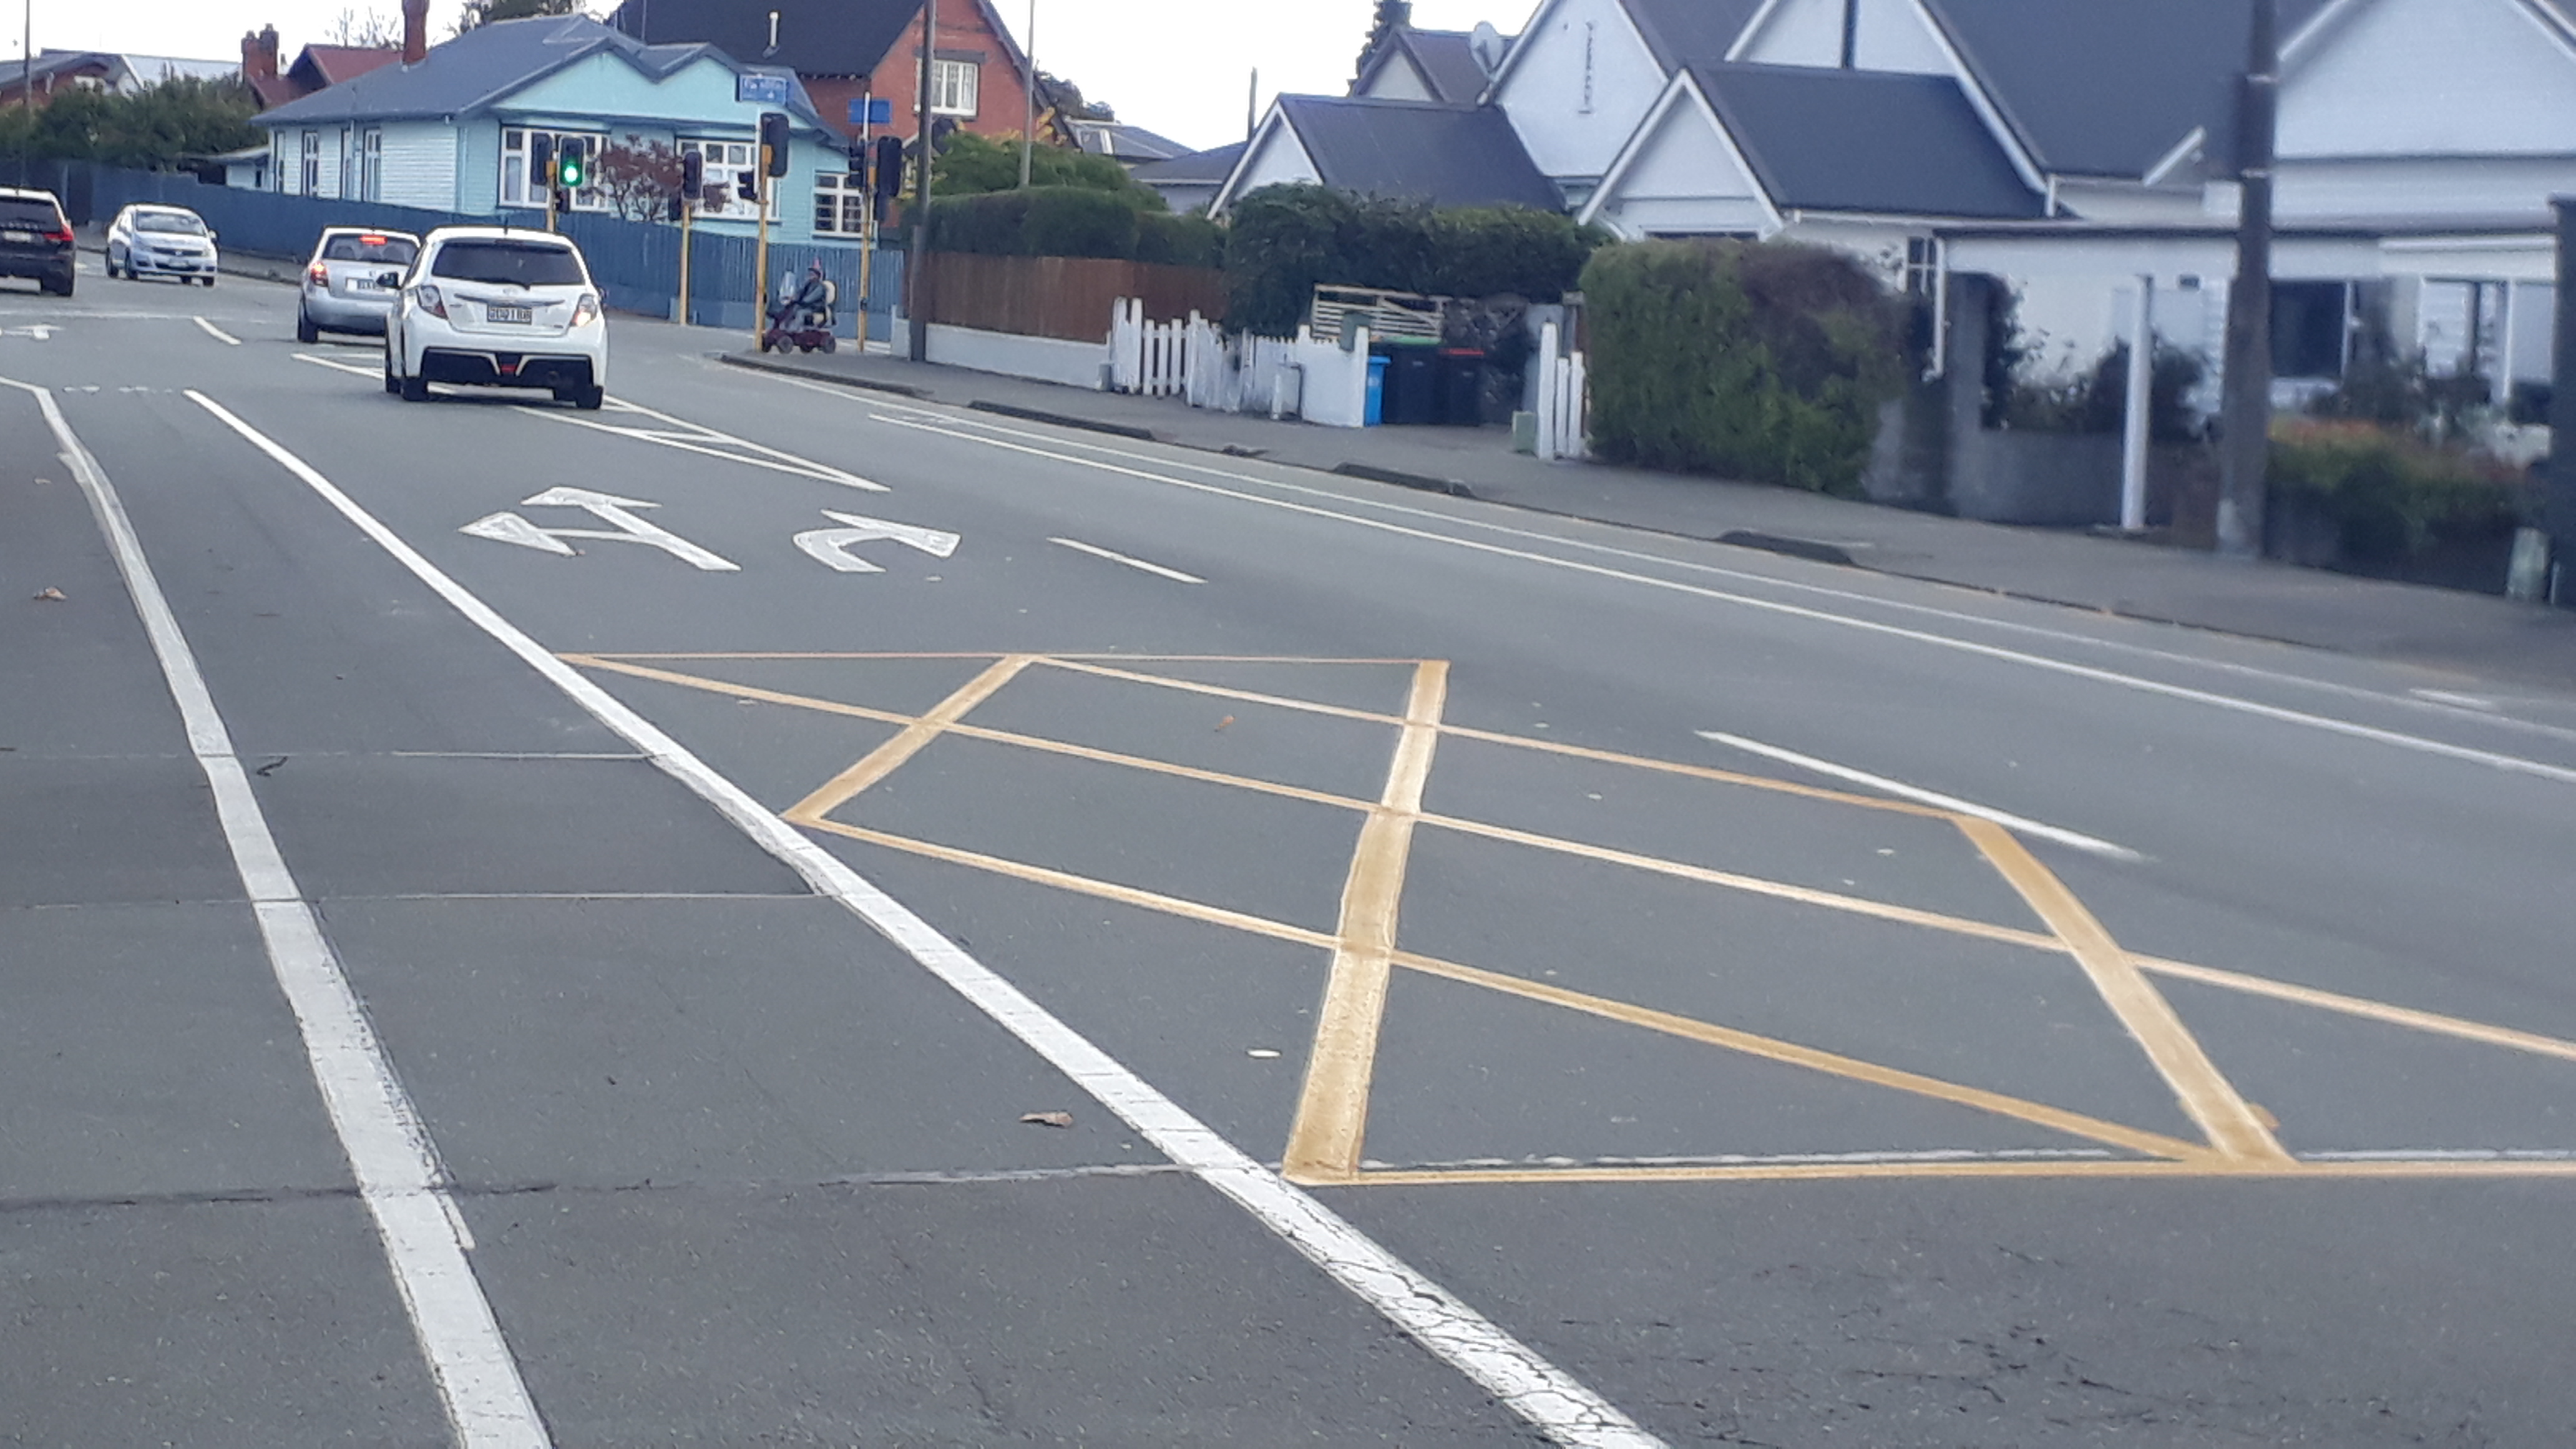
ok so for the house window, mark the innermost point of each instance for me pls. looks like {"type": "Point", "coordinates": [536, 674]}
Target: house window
{"type": "Point", "coordinates": [840, 204]}
{"type": "Point", "coordinates": [520, 186]}
{"type": "Point", "coordinates": [309, 179]}
{"type": "Point", "coordinates": [1922, 265]}
{"type": "Point", "coordinates": [371, 166]}
{"type": "Point", "coordinates": [732, 165]}
{"type": "Point", "coordinates": [2310, 323]}
{"type": "Point", "coordinates": [954, 85]}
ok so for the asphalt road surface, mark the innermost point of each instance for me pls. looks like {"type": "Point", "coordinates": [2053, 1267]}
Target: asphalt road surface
{"type": "Point", "coordinates": [771, 915]}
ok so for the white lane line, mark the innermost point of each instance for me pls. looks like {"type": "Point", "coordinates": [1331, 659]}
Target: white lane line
{"type": "Point", "coordinates": [1134, 563]}
{"type": "Point", "coordinates": [397, 1170]}
{"type": "Point", "coordinates": [1546, 1396]}
{"type": "Point", "coordinates": [2418, 701]}
{"type": "Point", "coordinates": [349, 367]}
{"type": "Point", "coordinates": [2512, 764]}
{"type": "Point", "coordinates": [2014, 823]}
{"type": "Point", "coordinates": [217, 333]}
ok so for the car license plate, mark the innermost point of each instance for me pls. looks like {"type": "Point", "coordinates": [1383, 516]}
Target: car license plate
{"type": "Point", "coordinates": [21, 237]}
{"type": "Point", "coordinates": [363, 284]}
{"type": "Point", "coordinates": [509, 314]}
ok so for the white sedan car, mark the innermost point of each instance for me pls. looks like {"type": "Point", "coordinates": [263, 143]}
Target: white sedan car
{"type": "Point", "coordinates": [497, 307]}
{"type": "Point", "coordinates": [161, 241]}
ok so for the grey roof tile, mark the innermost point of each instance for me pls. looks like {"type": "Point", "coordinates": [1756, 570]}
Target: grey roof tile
{"type": "Point", "coordinates": [1686, 32]}
{"type": "Point", "coordinates": [1866, 141]}
{"type": "Point", "coordinates": [1418, 151]}
{"type": "Point", "coordinates": [1448, 59]}
{"type": "Point", "coordinates": [1210, 166]}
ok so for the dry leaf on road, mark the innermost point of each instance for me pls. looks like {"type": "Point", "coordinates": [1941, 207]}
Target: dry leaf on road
{"type": "Point", "coordinates": [52, 596]}
{"type": "Point", "coordinates": [1049, 1119]}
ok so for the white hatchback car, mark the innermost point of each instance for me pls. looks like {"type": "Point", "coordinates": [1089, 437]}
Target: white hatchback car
{"type": "Point", "coordinates": [497, 307]}
{"type": "Point", "coordinates": [161, 241]}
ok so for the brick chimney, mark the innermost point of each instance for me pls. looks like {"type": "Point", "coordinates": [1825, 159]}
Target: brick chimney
{"type": "Point", "coordinates": [259, 55]}
{"type": "Point", "coordinates": [415, 31]}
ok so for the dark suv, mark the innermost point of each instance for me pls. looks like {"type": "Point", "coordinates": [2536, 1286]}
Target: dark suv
{"type": "Point", "coordinates": [35, 241]}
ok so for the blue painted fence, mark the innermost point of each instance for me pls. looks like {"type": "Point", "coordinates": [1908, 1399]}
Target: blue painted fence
{"type": "Point", "coordinates": [637, 264]}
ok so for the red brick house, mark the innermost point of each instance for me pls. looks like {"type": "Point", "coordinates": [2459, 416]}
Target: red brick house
{"type": "Point", "coordinates": [318, 68]}
{"type": "Point", "coordinates": [846, 49]}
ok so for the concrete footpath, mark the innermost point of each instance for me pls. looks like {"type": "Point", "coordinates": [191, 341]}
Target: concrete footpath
{"type": "Point", "coordinates": [2466, 633]}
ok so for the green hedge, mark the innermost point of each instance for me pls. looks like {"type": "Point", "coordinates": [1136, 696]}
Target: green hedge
{"type": "Point", "coordinates": [1765, 362]}
{"type": "Point", "coordinates": [1071, 221]}
{"type": "Point", "coordinates": [2391, 495]}
{"type": "Point", "coordinates": [1282, 242]}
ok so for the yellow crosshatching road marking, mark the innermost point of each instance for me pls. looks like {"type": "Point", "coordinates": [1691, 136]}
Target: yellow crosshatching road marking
{"type": "Point", "coordinates": [1332, 1112]}
{"type": "Point", "coordinates": [1326, 1143]}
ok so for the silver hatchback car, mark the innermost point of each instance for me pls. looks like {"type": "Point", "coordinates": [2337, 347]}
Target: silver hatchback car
{"type": "Point", "coordinates": [343, 286]}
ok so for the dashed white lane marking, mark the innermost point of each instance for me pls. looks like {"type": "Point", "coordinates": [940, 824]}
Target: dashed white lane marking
{"type": "Point", "coordinates": [217, 333]}
{"type": "Point", "coordinates": [397, 1171]}
{"type": "Point", "coordinates": [2511, 764]}
{"type": "Point", "coordinates": [1134, 563]}
{"type": "Point", "coordinates": [2017, 824]}
{"type": "Point", "coordinates": [337, 365]}
{"type": "Point", "coordinates": [1546, 1396]}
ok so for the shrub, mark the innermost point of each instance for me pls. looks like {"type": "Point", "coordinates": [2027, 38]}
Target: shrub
{"type": "Point", "coordinates": [1074, 221]}
{"type": "Point", "coordinates": [1285, 241]}
{"type": "Point", "coordinates": [1179, 241]}
{"type": "Point", "coordinates": [971, 165]}
{"type": "Point", "coordinates": [993, 225]}
{"type": "Point", "coordinates": [2390, 494]}
{"type": "Point", "coordinates": [1760, 361]}
{"type": "Point", "coordinates": [2098, 401]}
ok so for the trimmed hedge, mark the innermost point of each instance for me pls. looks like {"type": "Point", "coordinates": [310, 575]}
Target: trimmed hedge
{"type": "Point", "coordinates": [1285, 241]}
{"type": "Point", "coordinates": [1761, 361]}
{"type": "Point", "coordinates": [1071, 221]}
{"type": "Point", "coordinates": [2391, 496]}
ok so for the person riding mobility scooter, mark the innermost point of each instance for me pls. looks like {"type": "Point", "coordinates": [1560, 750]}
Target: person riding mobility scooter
{"type": "Point", "coordinates": [803, 319]}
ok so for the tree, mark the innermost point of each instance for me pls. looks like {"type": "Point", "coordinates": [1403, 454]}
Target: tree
{"type": "Point", "coordinates": [369, 29]}
{"type": "Point", "coordinates": [1392, 16]}
{"type": "Point", "coordinates": [485, 12]}
{"type": "Point", "coordinates": [155, 129]}
{"type": "Point", "coordinates": [1065, 98]}
{"type": "Point", "coordinates": [970, 164]}
{"type": "Point", "coordinates": [639, 177]}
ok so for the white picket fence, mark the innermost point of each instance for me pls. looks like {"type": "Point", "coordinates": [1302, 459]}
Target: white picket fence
{"type": "Point", "coordinates": [1321, 382]}
{"type": "Point", "coordinates": [1564, 399]}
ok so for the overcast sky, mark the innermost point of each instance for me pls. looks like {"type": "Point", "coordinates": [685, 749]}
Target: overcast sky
{"type": "Point", "coordinates": [1181, 67]}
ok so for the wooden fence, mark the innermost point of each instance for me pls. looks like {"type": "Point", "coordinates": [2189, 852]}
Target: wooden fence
{"type": "Point", "coordinates": [1063, 297]}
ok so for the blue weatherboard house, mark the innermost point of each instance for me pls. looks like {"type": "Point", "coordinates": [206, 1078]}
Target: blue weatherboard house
{"type": "Point", "coordinates": [454, 131]}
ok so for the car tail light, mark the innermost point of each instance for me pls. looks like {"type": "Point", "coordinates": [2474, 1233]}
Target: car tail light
{"type": "Point", "coordinates": [430, 302]}
{"type": "Point", "coordinates": [320, 274]}
{"type": "Point", "coordinates": [585, 311]}
{"type": "Point", "coordinates": [60, 234]}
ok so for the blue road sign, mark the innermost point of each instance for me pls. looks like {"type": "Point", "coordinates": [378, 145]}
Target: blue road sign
{"type": "Point", "coordinates": [871, 111]}
{"type": "Point", "coordinates": [760, 90]}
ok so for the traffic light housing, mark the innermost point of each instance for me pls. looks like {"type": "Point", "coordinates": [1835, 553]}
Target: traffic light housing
{"type": "Point", "coordinates": [572, 164]}
{"type": "Point", "coordinates": [541, 162]}
{"type": "Point", "coordinates": [858, 169]}
{"type": "Point", "coordinates": [775, 134]}
{"type": "Point", "coordinates": [889, 167]}
{"type": "Point", "coordinates": [693, 173]}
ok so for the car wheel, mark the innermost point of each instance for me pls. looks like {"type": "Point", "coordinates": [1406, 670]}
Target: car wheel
{"type": "Point", "coordinates": [414, 389]}
{"type": "Point", "coordinates": [210, 284]}
{"type": "Point", "coordinates": [305, 331]}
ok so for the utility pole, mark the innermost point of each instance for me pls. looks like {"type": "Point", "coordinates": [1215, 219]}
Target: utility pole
{"type": "Point", "coordinates": [1029, 130]}
{"type": "Point", "coordinates": [918, 262]}
{"type": "Point", "coordinates": [2245, 446]}
{"type": "Point", "coordinates": [1252, 105]}
{"type": "Point", "coordinates": [27, 93]}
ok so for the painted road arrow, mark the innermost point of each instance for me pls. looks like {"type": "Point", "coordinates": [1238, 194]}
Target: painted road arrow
{"type": "Point", "coordinates": [830, 546]}
{"type": "Point", "coordinates": [608, 508]}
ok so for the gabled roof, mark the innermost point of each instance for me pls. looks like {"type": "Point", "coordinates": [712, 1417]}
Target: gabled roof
{"type": "Point", "coordinates": [815, 37]}
{"type": "Point", "coordinates": [330, 65]}
{"type": "Point", "coordinates": [2108, 87]}
{"type": "Point", "coordinates": [1123, 142]}
{"type": "Point", "coordinates": [1211, 167]}
{"type": "Point", "coordinates": [1683, 32]}
{"type": "Point", "coordinates": [1445, 59]}
{"type": "Point", "coordinates": [1418, 151]}
{"type": "Point", "coordinates": [1872, 142]}
{"type": "Point", "coordinates": [488, 64]}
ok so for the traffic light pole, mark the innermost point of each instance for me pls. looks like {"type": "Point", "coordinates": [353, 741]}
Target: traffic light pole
{"type": "Point", "coordinates": [916, 262]}
{"type": "Point", "coordinates": [867, 225]}
{"type": "Point", "coordinates": [760, 308]}
{"type": "Point", "coordinates": [688, 214]}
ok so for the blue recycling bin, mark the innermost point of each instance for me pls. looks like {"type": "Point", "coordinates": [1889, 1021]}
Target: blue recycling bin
{"type": "Point", "coordinates": [1376, 412]}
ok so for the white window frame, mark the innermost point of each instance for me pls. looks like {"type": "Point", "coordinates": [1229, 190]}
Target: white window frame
{"type": "Point", "coordinates": [956, 87]}
{"type": "Point", "coordinates": [727, 162]}
{"type": "Point", "coordinates": [371, 164]}
{"type": "Point", "coordinates": [348, 163]}
{"type": "Point", "coordinates": [517, 188]}
{"type": "Point", "coordinates": [840, 204]}
{"type": "Point", "coordinates": [308, 176]}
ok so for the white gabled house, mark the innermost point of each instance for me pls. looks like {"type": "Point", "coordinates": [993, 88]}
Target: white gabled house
{"type": "Point", "coordinates": [1583, 74]}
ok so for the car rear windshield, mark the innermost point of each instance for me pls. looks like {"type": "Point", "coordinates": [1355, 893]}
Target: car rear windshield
{"type": "Point", "coordinates": [509, 263]}
{"type": "Point", "coordinates": [19, 214]}
{"type": "Point", "coordinates": [391, 250]}
{"type": "Point", "coordinates": [172, 221]}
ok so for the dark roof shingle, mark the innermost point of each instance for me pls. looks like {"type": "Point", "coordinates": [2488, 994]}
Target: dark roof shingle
{"type": "Point", "coordinates": [1691, 32]}
{"type": "Point", "coordinates": [1208, 166]}
{"type": "Point", "coordinates": [1419, 151]}
{"type": "Point", "coordinates": [1872, 142]}
{"type": "Point", "coordinates": [1448, 62]}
